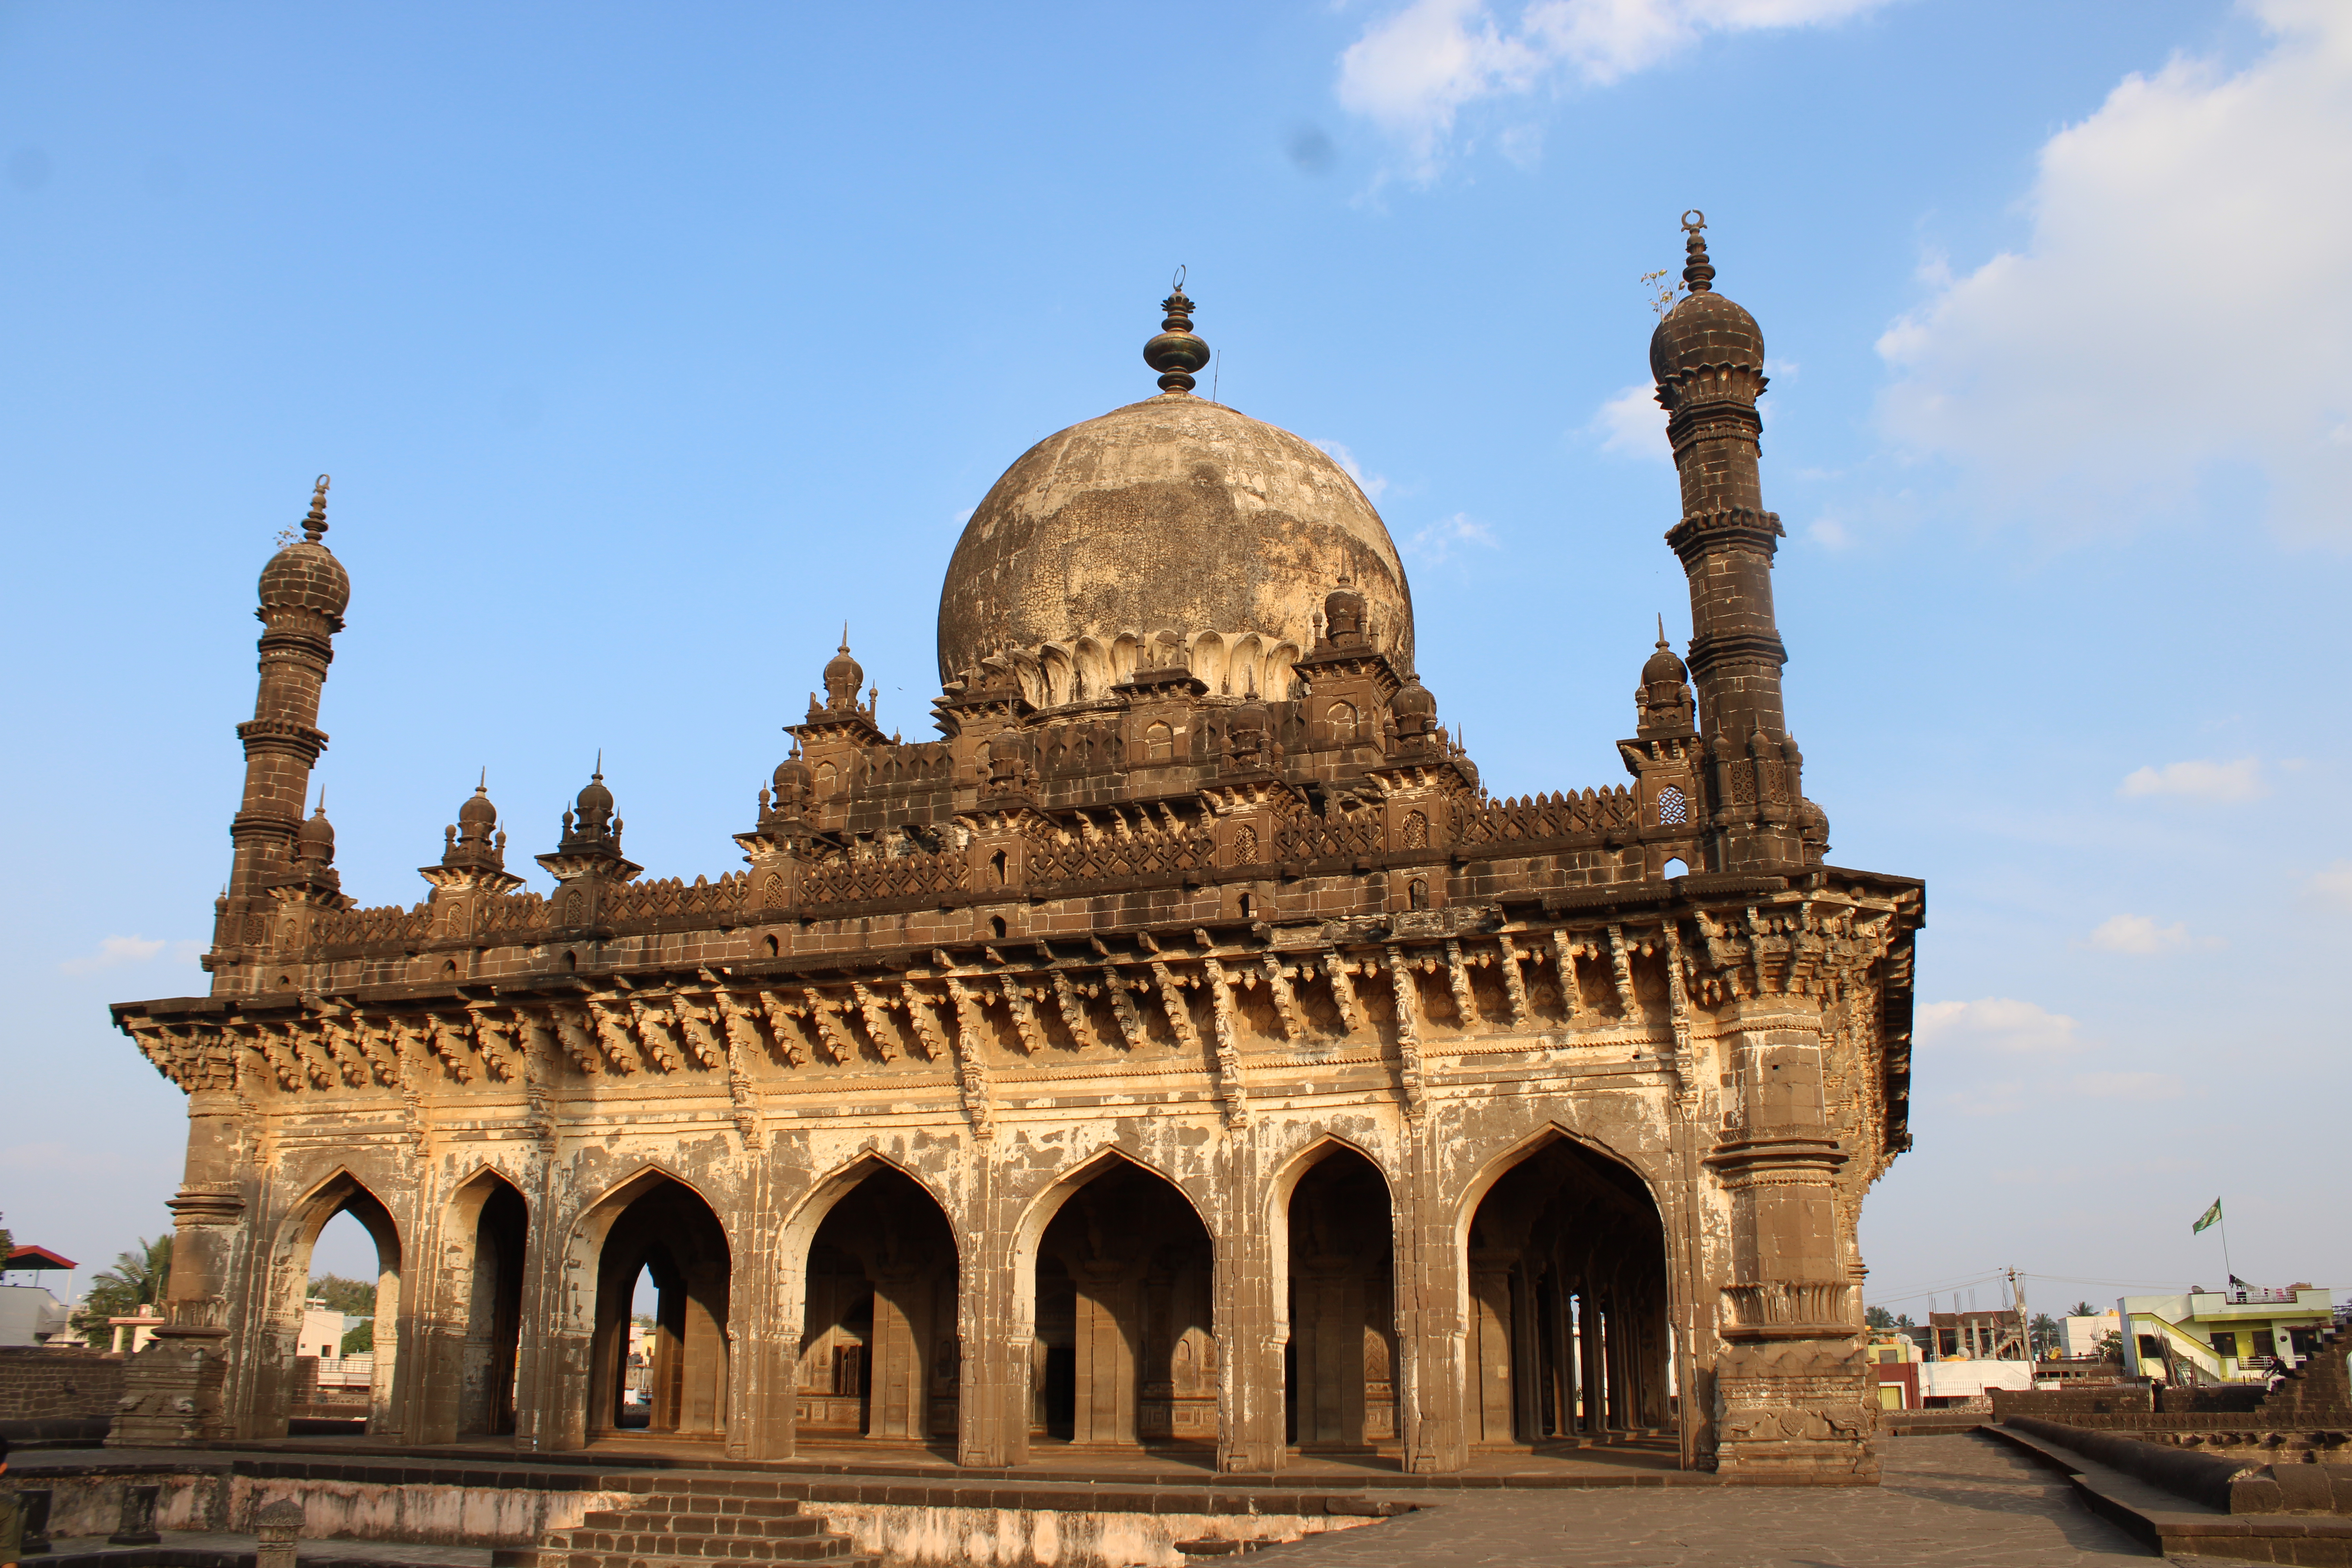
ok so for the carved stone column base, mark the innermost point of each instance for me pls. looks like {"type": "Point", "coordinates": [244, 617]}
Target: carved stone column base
{"type": "Point", "coordinates": [1794, 1411]}
{"type": "Point", "coordinates": [171, 1394]}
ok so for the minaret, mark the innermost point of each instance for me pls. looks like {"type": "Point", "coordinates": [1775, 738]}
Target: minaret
{"type": "Point", "coordinates": [303, 592]}
{"type": "Point", "coordinates": [1709, 358]}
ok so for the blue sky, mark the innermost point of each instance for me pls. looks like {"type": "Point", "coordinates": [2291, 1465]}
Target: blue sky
{"type": "Point", "coordinates": [647, 345]}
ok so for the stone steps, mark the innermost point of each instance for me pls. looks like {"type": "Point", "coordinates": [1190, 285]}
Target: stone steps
{"type": "Point", "coordinates": [693, 1522]}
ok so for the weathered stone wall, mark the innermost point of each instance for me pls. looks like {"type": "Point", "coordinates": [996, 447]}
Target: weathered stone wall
{"type": "Point", "coordinates": [89, 1501]}
{"type": "Point", "coordinates": [924, 1537]}
{"type": "Point", "coordinates": [41, 1383]}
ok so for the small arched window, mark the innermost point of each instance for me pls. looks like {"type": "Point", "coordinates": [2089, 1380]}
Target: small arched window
{"type": "Point", "coordinates": [828, 779]}
{"type": "Point", "coordinates": [996, 926]}
{"type": "Point", "coordinates": [1673, 809]}
{"type": "Point", "coordinates": [1342, 717]}
{"type": "Point", "coordinates": [996, 865]}
{"type": "Point", "coordinates": [1159, 743]}
{"type": "Point", "coordinates": [1419, 893]}
{"type": "Point", "coordinates": [1417, 830]}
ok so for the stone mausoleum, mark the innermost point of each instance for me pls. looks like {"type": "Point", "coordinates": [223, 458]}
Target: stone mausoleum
{"type": "Point", "coordinates": [1182, 1048]}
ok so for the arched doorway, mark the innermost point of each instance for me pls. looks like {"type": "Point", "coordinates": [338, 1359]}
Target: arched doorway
{"type": "Point", "coordinates": [297, 1385]}
{"type": "Point", "coordinates": [667, 1232]}
{"type": "Point", "coordinates": [1567, 1320]}
{"type": "Point", "coordinates": [1125, 1349]}
{"type": "Point", "coordinates": [1340, 1365]}
{"type": "Point", "coordinates": [878, 1353]}
{"type": "Point", "coordinates": [489, 1220]}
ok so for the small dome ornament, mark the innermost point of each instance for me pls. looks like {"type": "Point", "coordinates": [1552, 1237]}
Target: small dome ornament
{"type": "Point", "coordinates": [1176, 353]}
{"type": "Point", "coordinates": [1663, 667]}
{"type": "Point", "coordinates": [305, 575]}
{"type": "Point", "coordinates": [1698, 272]}
{"type": "Point", "coordinates": [842, 676]}
{"type": "Point", "coordinates": [315, 840]}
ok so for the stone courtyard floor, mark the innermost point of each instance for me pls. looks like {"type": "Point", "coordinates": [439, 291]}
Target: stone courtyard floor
{"type": "Point", "coordinates": [1944, 1502]}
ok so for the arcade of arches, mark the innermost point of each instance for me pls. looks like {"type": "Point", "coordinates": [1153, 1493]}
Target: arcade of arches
{"type": "Point", "coordinates": [1564, 1307]}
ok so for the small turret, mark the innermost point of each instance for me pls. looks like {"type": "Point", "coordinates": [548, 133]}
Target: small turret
{"type": "Point", "coordinates": [843, 677]}
{"type": "Point", "coordinates": [475, 841]}
{"type": "Point", "coordinates": [1663, 701]}
{"type": "Point", "coordinates": [592, 836]}
{"type": "Point", "coordinates": [1415, 709]}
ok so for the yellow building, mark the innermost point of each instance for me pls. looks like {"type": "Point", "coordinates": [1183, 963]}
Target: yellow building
{"type": "Point", "coordinates": [2223, 1336]}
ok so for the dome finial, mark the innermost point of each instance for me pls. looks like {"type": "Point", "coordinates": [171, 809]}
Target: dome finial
{"type": "Point", "coordinates": [1698, 272]}
{"type": "Point", "coordinates": [315, 525]}
{"type": "Point", "coordinates": [1176, 354]}
{"type": "Point", "coordinates": [1662, 629]}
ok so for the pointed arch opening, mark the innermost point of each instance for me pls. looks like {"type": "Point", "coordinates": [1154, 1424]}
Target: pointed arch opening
{"type": "Point", "coordinates": [310, 1379]}
{"type": "Point", "coordinates": [658, 1351]}
{"type": "Point", "coordinates": [1340, 1363]}
{"type": "Point", "coordinates": [1567, 1309]}
{"type": "Point", "coordinates": [1125, 1348]}
{"type": "Point", "coordinates": [487, 1229]}
{"type": "Point", "coordinates": [880, 1355]}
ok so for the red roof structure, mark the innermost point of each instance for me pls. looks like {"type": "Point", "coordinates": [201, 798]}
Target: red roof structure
{"type": "Point", "coordinates": [36, 1258]}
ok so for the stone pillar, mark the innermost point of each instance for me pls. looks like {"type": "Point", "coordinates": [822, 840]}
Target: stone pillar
{"type": "Point", "coordinates": [1242, 1311]}
{"type": "Point", "coordinates": [765, 1314]}
{"type": "Point", "coordinates": [1592, 1338]}
{"type": "Point", "coordinates": [1791, 1389]}
{"type": "Point", "coordinates": [547, 1344]}
{"type": "Point", "coordinates": [998, 1337]}
{"type": "Point", "coordinates": [1108, 1332]}
{"type": "Point", "coordinates": [1490, 1358]}
{"type": "Point", "coordinates": [1432, 1335]}
{"type": "Point", "coordinates": [173, 1390]}
{"type": "Point", "coordinates": [1527, 1357]}
{"type": "Point", "coordinates": [900, 1356]}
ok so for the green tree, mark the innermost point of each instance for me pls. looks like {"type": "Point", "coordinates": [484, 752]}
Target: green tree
{"type": "Point", "coordinates": [136, 1280]}
{"type": "Point", "coordinates": [355, 1298]}
{"type": "Point", "coordinates": [7, 1242]}
{"type": "Point", "coordinates": [2082, 1309]}
{"type": "Point", "coordinates": [2110, 1346]}
{"type": "Point", "coordinates": [360, 1341]}
{"type": "Point", "coordinates": [2045, 1334]}
{"type": "Point", "coordinates": [1879, 1318]}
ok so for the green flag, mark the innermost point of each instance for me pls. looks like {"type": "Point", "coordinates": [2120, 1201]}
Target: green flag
{"type": "Point", "coordinates": [2207, 1217]}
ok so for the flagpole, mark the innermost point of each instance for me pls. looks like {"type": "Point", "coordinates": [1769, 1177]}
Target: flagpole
{"type": "Point", "coordinates": [2226, 1266]}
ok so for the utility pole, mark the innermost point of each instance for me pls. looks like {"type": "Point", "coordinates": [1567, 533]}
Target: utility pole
{"type": "Point", "coordinates": [2024, 1321]}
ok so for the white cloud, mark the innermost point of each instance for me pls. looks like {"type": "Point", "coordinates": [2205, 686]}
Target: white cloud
{"type": "Point", "coordinates": [2241, 779]}
{"type": "Point", "coordinates": [2333, 886]}
{"type": "Point", "coordinates": [2128, 1085]}
{"type": "Point", "coordinates": [1995, 1023]}
{"type": "Point", "coordinates": [2139, 934]}
{"type": "Point", "coordinates": [1632, 425]}
{"type": "Point", "coordinates": [1436, 544]}
{"type": "Point", "coordinates": [116, 950]}
{"type": "Point", "coordinates": [1414, 69]}
{"type": "Point", "coordinates": [2185, 299]}
{"type": "Point", "coordinates": [965, 515]}
{"type": "Point", "coordinates": [1373, 486]}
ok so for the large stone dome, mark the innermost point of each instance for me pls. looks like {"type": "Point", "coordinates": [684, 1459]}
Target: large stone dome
{"type": "Point", "coordinates": [1173, 530]}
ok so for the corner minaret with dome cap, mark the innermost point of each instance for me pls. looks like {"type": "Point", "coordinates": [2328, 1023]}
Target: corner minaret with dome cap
{"type": "Point", "coordinates": [1708, 356]}
{"type": "Point", "coordinates": [303, 592]}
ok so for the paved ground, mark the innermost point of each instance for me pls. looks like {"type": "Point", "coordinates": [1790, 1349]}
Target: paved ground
{"type": "Point", "coordinates": [1945, 1502]}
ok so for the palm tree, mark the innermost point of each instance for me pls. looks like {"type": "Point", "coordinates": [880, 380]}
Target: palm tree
{"type": "Point", "coordinates": [136, 1280]}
